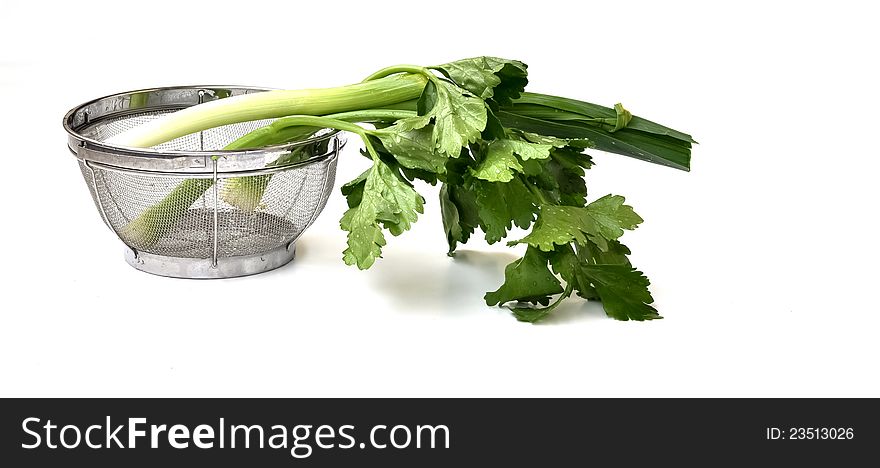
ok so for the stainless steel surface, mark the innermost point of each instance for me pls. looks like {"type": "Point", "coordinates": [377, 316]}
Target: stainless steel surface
{"type": "Point", "coordinates": [216, 208]}
{"type": "Point", "coordinates": [197, 268]}
{"type": "Point", "coordinates": [186, 208]}
{"type": "Point", "coordinates": [97, 200]}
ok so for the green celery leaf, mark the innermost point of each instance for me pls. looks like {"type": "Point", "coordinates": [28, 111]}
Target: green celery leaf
{"type": "Point", "coordinates": [460, 214]}
{"type": "Point", "coordinates": [501, 203]}
{"type": "Point", "coordinates": [365, 238]}
{"type": "Point", "coordinates": [501, 158]}
{"type": "Point", "coordinates": [532, 314]}
{"type": "Point", "coordinates": [615, 254]}
{"type": "Point", "coordinates": [569, 264]}
{"type": "Point", "coordinates": [354, 190]}
{"type": "Point", "coordinates": [385, 198]}
{"type": "Point", "coordinates": [623, 291]}
{"type": "Point", "coordinates": [572, 158]}
{"type": "Point", "coordinates": [488, 77]}
{"type": "Point", "coordinates": [569, 183]}
{"type": "Point", "coordinates": [458, 117]}
{"type": "Point", "coordinates": [413, 149]}
{"type": "Point", "coordinates": [600, 222]}
{"type": "Point", "coordinates": [562, 177]}
{"type": "Point", "coordinates": [451, 219]}
{"type": "Point", "coordinates": [528, 279]}
{"type": "Point", "coordinates": [427, 99]}
{"type": "Point", "coordinates": [524, 149]}
{"type": "Point", "coordinates": [566, 264]}
{"type": "Point", "coordinates": [458, 169]}
{"type": "Point", "coordinates": [494, 130]}
{"type": "Point", "coordinates": [413, 174]}
{"type": "Point", "coordinates": [499, 163]}
{"type": "Point", "coordinates": [554, 141]}
{"type": "Point", "coordinates": [612, 217]}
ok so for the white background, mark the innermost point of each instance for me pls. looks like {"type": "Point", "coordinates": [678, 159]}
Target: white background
{"type": "Point", "coordinates": [762, 259]}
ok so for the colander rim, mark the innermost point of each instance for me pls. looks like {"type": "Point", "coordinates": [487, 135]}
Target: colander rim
{"type": "Point", "coordinates": [168, 153]}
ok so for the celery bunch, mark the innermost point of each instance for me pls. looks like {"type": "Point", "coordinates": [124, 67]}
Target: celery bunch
{"type": "Point", "coordinates": [503, 157]}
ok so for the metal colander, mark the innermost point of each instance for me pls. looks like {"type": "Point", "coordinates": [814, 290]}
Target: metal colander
{"type": "Point", "coordinates": [178, 206]}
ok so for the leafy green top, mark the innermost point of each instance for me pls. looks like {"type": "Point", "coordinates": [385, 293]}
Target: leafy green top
{"type": "Point", "coordinates": [457, 115]}
{"type": "Point", "coordinates": [506, 159]}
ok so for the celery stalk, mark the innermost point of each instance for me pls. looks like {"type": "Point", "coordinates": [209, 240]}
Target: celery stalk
{"type": "Point", "coordinates": [274, 104]}
{"type": "Point", "coordinates": [245, 193]}
{"type": "Point", "coordinates": [158, 220]}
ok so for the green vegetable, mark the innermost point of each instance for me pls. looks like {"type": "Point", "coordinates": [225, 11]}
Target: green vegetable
{"type": "Point", "coordinates": [502, 157]}
{"type": "Point", "coordinates": [385, 199]}
{"type": "Point", "coordinates": [271, 104]}
{"type": "Point", "coordinates": [604, 127]}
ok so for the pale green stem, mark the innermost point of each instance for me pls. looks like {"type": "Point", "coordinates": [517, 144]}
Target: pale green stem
{"type": "Point", "coordinates": [395, 69]}
{"type": "Point", "coordinates": [273, 104]}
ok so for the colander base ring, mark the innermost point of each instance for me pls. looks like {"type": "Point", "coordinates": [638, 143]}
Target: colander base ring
{"type": "Point", "coordinates": [202, 268]}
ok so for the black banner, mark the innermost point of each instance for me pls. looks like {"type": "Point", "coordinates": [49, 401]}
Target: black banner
{"type": "Point", "coordinates": [435, 432]}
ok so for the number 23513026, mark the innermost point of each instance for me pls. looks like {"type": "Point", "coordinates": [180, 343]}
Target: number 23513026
{"type": "Point", "coordinates": [810, 433]}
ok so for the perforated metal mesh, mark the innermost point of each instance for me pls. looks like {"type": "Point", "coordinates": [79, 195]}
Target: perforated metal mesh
{"type": "Point", "coordinates": [173, 215]}
{"type": "Point", "coordinates": [215, 138]}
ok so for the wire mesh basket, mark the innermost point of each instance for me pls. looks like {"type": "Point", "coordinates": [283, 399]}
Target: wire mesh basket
{"type": "Point", "coordinates": [187, 208]}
